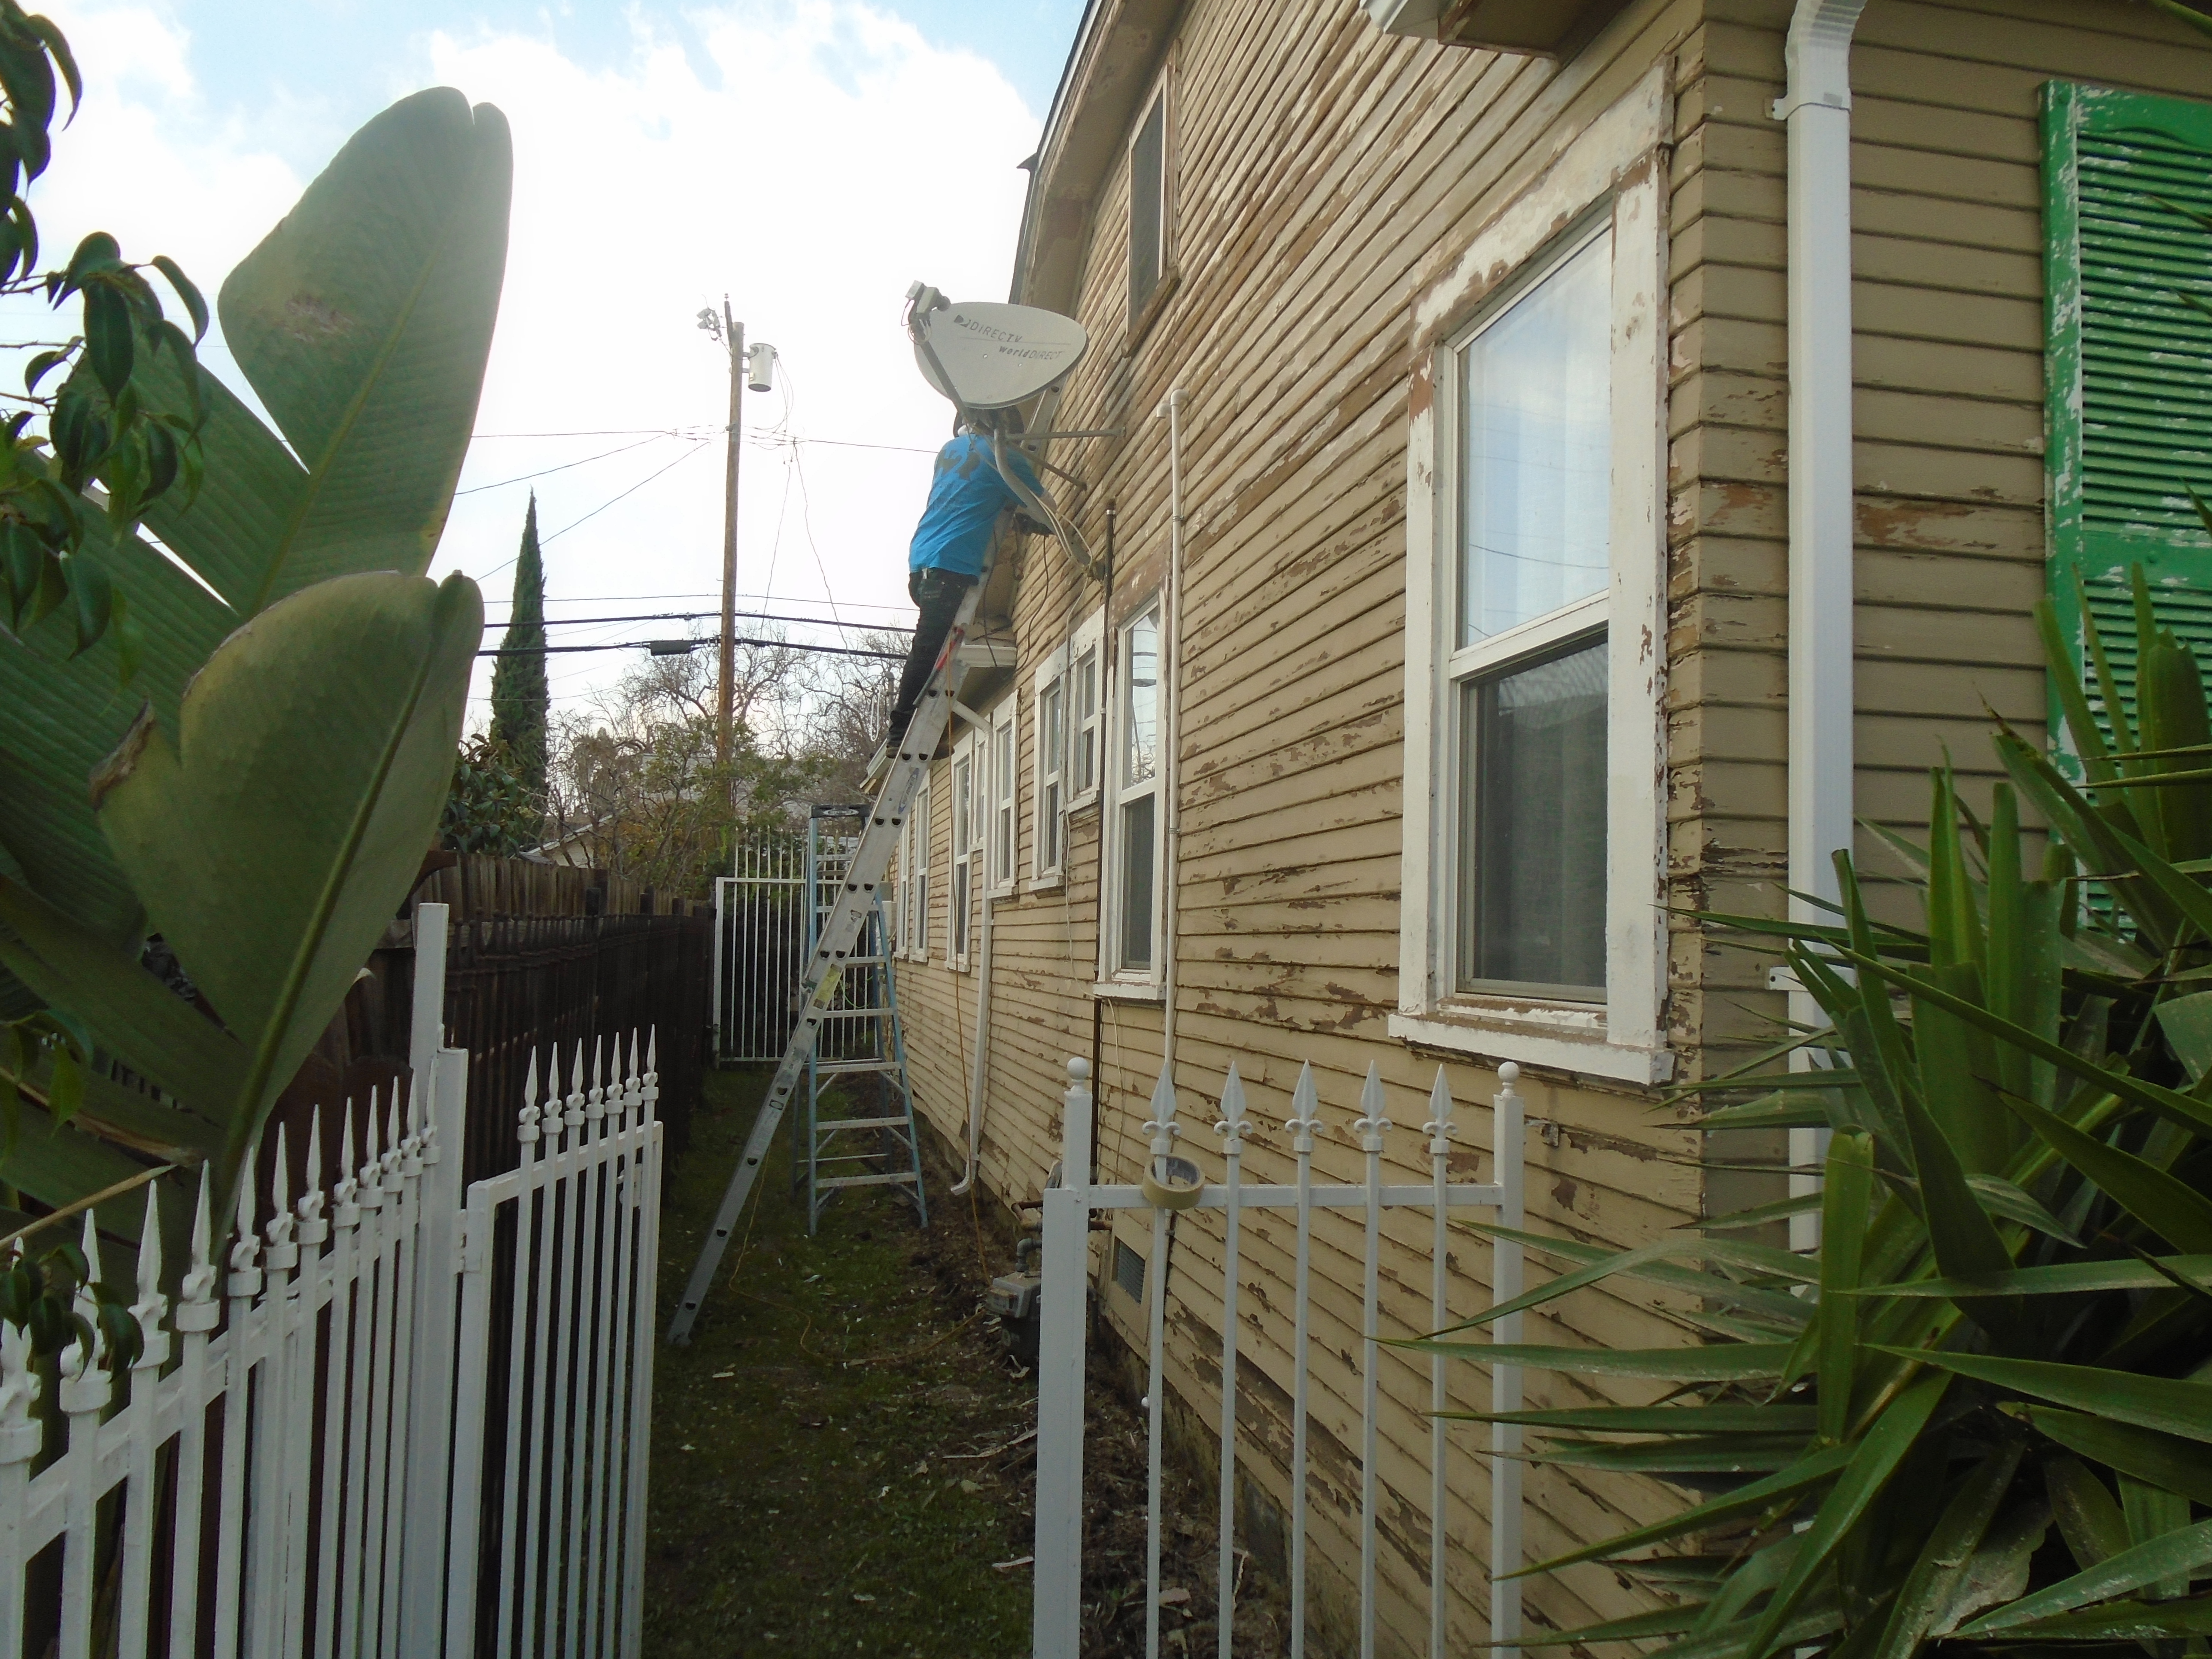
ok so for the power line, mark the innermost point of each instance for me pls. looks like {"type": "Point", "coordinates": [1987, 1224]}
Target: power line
{"type": "Point", "coordinates": [694, 615]}
{"type": "Point", "coordinates": [690, 646]}
{"type": "Point", "coordinates": [475, 489]}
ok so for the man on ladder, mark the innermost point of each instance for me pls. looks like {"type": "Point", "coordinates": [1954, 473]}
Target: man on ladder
{"type": "Point", "coordinates": [986, 359]}
{"type": "Point", "coordinates": [966, 496]}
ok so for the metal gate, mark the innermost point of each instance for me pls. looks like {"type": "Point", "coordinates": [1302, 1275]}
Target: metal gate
{"type": "Point", "coordinates": [760, 940]}
{"type": "Point", "coordinates": [1172, 1183]}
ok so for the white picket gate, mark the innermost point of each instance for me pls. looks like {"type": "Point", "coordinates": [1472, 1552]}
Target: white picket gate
{"type": "Point", "coordinates": [342, 1504]}
{"type": "Point", "coordinates": [1065, 1325]}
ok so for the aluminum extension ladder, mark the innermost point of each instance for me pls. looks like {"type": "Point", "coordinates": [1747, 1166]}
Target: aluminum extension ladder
{"type": "Point", "coordinates": [861, 1037]}
{"type": "Point", "coordinates": [840, 935]}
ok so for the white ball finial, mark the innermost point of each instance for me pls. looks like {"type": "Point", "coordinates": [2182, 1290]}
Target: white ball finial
{"type": "Point", "coordinates": [1508, 1074]}
{"type": "Point", "coordinates": [1079, 1070]}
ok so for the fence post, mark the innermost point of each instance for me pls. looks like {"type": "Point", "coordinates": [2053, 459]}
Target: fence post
{"type": "Point", "coordinates": [432, 1465]}
{"type": "Point", "coordinates": [464, 1515]}
{"type": "Point", "coordinates": [1505, 1549]}
{"type": "Point", "coordinates": [1064, 1322]}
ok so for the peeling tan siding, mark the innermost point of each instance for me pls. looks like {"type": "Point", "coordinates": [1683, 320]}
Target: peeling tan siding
{"type": "Point", "coordinates": [1325, 175]}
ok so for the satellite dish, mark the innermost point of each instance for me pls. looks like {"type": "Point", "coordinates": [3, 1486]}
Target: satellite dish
{"type": "Point", "coordinates": [996, 354]}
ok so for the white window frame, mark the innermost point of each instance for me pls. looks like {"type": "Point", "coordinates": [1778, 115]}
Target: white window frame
{"type": "Point", "coordinates": [1147, 983]}
{"type": "Point", "coordinates": [1140, 311]}
{"type": "Point", "coordinates": [967, 756]}
{"type": "Point", "coordinates": [1614, 171]}
{"type": "Point", "coordinates": [914, 879]}
{"type": "Point", "coordinates": [1086, 646]}
{"type": "Point", "coordinates": [1002, 823]}
{"type": "Point", "coordinates": [1048, 803]}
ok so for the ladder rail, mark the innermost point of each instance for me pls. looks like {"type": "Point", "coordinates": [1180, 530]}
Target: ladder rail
{"type": "Point", "coordinates": [839, 940]}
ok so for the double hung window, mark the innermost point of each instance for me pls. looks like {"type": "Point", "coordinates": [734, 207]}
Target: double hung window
{"type": "Point", "coordinates": [1001, 828]}
{"type": "Point", "coordinates": [913, 881]}
{"type": "Point", "coordinates": [1050, 747]}
{"type": "Point", "coordinates": [964, 819]}
{"type": "Point", "coordinates": [1132, 930]}
{"type": "Point", "coordinates": [1087, 691]}
{"type": "Point", "coordinates": [1528, 667]}
{"type": "Point", "coordinates": [1148, 207]}
{"type": "Point", "coordinates": [1531, 922]}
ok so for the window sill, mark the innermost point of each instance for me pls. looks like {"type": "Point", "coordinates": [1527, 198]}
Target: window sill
{"type": "Point", "coordinates": [1084, 803]}
{"type": "Point", "coordinates": [1130, 990]}
{"type": "Point", "coordinates": [1050, 884]}
{"type": "Point", "coordinates": [1559, 1038]}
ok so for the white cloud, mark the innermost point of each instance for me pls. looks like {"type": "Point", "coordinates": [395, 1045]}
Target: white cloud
{"type": "Point", "coordinates": [810, 159]}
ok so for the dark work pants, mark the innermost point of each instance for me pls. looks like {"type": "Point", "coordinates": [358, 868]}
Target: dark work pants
{"type": "Point", "coordinates": [938, 594]}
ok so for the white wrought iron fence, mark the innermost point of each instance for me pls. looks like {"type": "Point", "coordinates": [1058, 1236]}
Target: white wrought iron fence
{"type": "Point", "coordinates": [317, 1456]}
{"type": "Point", "coordinates": [1172, 1184]}
{"type": "Point", "coordinates": [760, 940]}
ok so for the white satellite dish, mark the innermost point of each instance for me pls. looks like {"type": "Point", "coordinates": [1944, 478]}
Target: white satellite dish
{"type": "Point", "coordinates": [996, 354]}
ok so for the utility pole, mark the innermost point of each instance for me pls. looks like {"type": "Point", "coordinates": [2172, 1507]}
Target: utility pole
{"type": "Point", "coordinates": [726, 705]}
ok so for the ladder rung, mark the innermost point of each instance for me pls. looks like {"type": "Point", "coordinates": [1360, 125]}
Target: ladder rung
{"type": "Point", "coordinates": [897, 1178]}
{"type": "Point", "coordinates": [825, 1126]}
{"type": "Point", "coordinates": [844, 1067]}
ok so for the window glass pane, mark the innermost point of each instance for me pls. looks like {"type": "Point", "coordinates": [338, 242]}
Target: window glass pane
{"type": "Point", "coordinates": [1049, 827]}
{"type": "Point", "coordinates": [1050, 733]}
{"type": "Point", "coordinates": [1532, 814]}
{"type": "Point", "coordinates": [1536, 462]}
{"type": "Point", "coordinates": [960, 804]}
{"type": "Point", "coordinates": [1137, 883]}
{"type": "Point", "coordinates": [1086, 720]}
{"type": "Point", "coordinates": [1140, 752]}
{"type": "Point", "coordinates": [960, 909]}
{"type": "Point", "coordinates": [1146, 158]}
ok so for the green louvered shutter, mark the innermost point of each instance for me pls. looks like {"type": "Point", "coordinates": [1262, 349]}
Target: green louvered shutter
{"type": "Point", "coordinates": [2129, 364]}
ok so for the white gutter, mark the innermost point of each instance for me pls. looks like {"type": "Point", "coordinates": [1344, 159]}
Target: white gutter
{"type": "Point", "coordinates": [1816, 104]}
{"type": "Point", "coordinates": [1171, 739]}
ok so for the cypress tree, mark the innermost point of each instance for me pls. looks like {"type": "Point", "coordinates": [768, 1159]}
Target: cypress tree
{"type": "Point", "coordinates": [519, 701]}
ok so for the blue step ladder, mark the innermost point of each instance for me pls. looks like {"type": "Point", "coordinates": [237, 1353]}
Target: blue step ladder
{"type": "Point", "coordinates": [859, 1037]}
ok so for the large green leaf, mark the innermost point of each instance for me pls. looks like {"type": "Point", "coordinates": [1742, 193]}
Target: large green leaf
{"type": "Point", "coordinates": [363, 321]}
{"type": "Point", "coordinates": [2163, 1460]}
{"type": "Point", "coordinates": [2060, 1278]}
{"type": "Point", "coordinates": [1723, 1362]}
{"type": "Point", "coordinates": [277, 836]}
{"type": "Point", "coordinates": [1874, 1460]}
{"type": "Point", "coordinates": [2170, 1405]}
{"type": "Point", "coordinates": [2171, 1208]}
{"type": "Point", "coordinates": [1932, 1582]}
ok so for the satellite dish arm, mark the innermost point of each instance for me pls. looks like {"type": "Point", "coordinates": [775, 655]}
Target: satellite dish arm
{"type": "Point", "coordinates": [1037, 502]}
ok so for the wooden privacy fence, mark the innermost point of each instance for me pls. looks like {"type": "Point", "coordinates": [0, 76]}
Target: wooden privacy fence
{"type": "Point", "coordinates": [398, 1417]}
{"type": "Point", "coordinates": [1172, 1183]}
{"type": "Point", "coordinates": [515, 983]}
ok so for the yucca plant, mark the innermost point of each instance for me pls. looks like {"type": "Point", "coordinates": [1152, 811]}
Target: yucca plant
{"type": "Point", "coordinates": [1980, 1413]}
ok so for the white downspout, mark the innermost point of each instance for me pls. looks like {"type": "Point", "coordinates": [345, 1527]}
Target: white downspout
{"type": "Point", "coordinates": [1171, 741]}
{"type": "Point", "coordinates": [978, 1069]}
{"type": "Point", "coordinates": [1816, 104]}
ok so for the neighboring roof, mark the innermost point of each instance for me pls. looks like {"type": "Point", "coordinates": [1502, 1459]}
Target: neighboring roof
{"type": "Point", "coordinates": [1118, 48]}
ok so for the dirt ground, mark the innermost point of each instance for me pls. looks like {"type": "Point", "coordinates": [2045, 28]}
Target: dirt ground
{"type": "Point", "coordinates": [844, 1458]}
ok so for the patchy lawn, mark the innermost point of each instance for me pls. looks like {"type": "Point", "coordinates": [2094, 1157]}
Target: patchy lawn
{"type": "Point", "coordinates": [846, 1452]}
{"type": "Point", "coordinates": [833, 1460]}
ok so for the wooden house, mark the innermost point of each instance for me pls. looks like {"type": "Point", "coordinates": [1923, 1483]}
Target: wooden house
{"type": "Point", "coordinates": [1570, 461]}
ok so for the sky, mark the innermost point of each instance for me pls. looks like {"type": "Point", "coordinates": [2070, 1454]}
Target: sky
{"type": "Point", "coordinates": [808, 158]}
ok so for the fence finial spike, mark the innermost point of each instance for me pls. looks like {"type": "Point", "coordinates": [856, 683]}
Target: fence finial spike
{"type": "Point", "coordinates": [1306, 1110]}
{"type": "Point", "coordinates": [246, 1179]}
{"type": "Point", "coordinates": [653, 1048]}
{"type": "Point", "coordinates": [314, 1173]}
{"type": "Point", "coordinates": [1439, 1127]}
{"type": "Point", "coordinates": [576, 1071]}
{"type": "Point", "coordinates": [90, 1244]}
{"type": "Point", "coordinates": [345, 1145]}
{"type": "Point", "coordinates": [368, 1140]}
{"type": "Point", "coordinates": [392, 1126]}
{"type": "Point", "coordinates": [203, 1228]}
{"type": "Point", "coordinates": [150, 1245]}
{"type": "Point", "coordinates": [1233, 1126]}
{"type": "Point", "coordinates": [529, 1080]}
{"type": "Point", "coordinates": [1373, 1125]}
{"type": "Point", "coordinates": [633, 1055]}
{"type": "Point", "coordinates": [598, 1062]}
{"type": "Point", "coordinates": [1162, 1126]}
{"type": "Point", "coordinates": [281, 1185]}
{"type": "Point", "coordinates": [414, 1104]}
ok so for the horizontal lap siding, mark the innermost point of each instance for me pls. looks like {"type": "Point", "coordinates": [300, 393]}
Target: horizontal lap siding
{"type": "Point", "coordinates": [1325, 172]}
{"type": "Point", "coordinates": [1947, 257]}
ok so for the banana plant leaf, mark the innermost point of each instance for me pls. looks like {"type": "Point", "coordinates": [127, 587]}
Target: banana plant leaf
{"type": "Point", "coordinates": [273, 839]}
{"type": "Point", "coordinates": [363, 322]}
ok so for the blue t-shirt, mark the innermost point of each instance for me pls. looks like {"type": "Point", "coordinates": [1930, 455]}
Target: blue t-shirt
{"type": "Point", "coordinates": [965, 498]}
